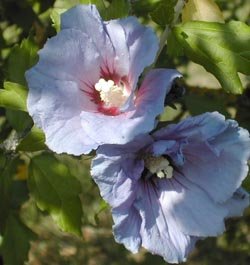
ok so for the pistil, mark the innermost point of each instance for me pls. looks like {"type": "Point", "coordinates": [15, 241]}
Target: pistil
{"type": "Point", "coordinates": [111, 94]}
{"type": "Point", "coordinates": [159, 166]}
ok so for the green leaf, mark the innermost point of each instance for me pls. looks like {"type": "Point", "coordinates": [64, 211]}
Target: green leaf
{"type": "Point", "coordinates": [102, 207]}
{"type": "Point", "coordinates": [164, 12]}
{"type": "Point", "coordinates": [205, 100]}
{"type": "Point", "coordinates": [13, 96]}
{"type": "Point", "coordinates": [116, 9]}
{"type": "Point", "coordinates": [222, 49]}
{"type": "Point", "coordinates": [173, 46]}
{"type": "Point", "coordinates": [19, 120]}
{"type": "Point", "coordinates": [56, 191]}
{"type": "Point", "coordinates": [21, 59]}
{"type": "Point", "coordinates": [142, 8]}
{"type": "Point", "coordinates": [99, 5]}
{"type": "Point", "coordinates": [20, 193]}
{"type": "Point", "coordinates": [7, 170]}
{"type": "Point", "coordinates": [55, 16]}
{"type": "Point", "coordinates": [16, 241]}
{"type": "Point", "coordinates": [34, 141]}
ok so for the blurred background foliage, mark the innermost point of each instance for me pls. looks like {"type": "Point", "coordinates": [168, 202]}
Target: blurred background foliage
{"type": "Point", "coordinates": [33, 20]}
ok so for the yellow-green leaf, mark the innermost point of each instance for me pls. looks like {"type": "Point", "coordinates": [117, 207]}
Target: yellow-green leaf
{"type": "Point", "coordinates": [202, 10]}
{"type": "Point", "coordinates": [13, 96]}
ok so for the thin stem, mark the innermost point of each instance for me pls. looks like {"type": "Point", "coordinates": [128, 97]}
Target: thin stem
{"type": "Point", "coordinates": [178, 8]}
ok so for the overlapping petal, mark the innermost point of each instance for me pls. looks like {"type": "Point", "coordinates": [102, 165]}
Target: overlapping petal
{"type": "Point", "coordinates": [167, 216]}
{"type": "Point", "coordinates": [217, 152]}
{"type": "Point", "coordinates": [85, 51]}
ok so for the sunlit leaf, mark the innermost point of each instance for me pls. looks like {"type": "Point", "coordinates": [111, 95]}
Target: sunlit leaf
{"type": "Point", "coordinates": [202, 10]}
{"type": "Point", "coordinates": [56, 17]}
{"type": "Point", "coordinates": [13, 96]}
{"type": "Point", "coordinates": [222, 49]}
{"type": "Point", "coordinates": [56, 191]}
{"type": "Point", "coordinates": [16, 241]}
{"type": "Point", "coordinates": [34, 141]}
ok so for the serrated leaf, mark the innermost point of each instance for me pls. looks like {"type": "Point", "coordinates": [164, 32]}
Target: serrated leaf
{"type": "Point", "coordinates": [21, 59]}
{"type": "Point", "coordinates": [13, 96]}
{"type": "Point", "coordinates": [164, 12]}
{"type": "Point", "coordinates": [56, 191]}
{"type": "Point", "coordinates": [16, 241]}
{"type": "Point", "coordinates": [202, 10]}
{"type": "Point", "coordinates": [222, 49]}
{"type": "Point", "coordinates": [34, 141]}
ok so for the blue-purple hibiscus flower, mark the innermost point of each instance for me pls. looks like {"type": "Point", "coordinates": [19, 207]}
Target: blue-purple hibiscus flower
{"type": "Point", "coordinates": [171, 188]}
{"type": "Point", "coordinates": [83, 91]}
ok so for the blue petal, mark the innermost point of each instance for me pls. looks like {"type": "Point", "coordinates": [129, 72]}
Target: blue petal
{"type": "Point", "coordinates": [216, 154]}
{"type": "Point", "coordinates": [201, 127]}
{"type": "Point", "coordinates": [127, 228]}
{"type": "Point", "coordinates": [116, 175]}
{"type": "Point", "coordinates": [55, 107]}
{"type": "Point", "coordinates": [142, 44]}
{"type": "Point", "coordinates": [160, 231]}
{"type": "Point", "coordinates": [238, 203]}
{"type": "Point", "coordinates": [70, 56]}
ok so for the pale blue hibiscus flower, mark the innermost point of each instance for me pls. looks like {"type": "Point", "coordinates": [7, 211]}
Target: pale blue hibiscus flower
{"type": "Point", "coordinates": [171, 188]}
{"type": "Point", "coordinates": [83, 91]}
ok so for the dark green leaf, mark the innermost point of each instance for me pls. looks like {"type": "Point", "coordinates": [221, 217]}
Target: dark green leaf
{"type": "Point", "coordinates": [173, 47]}
{"type": "Point", "coordinates": [222, 49]}
{"type": "Point", "coordinates": [142, 8]}
{"type": "Point", "coordinates": [19, 120]}
{"type": "Point", "coordinates": [206, 100]}
{"type": "Point", "coordinates": [34, 141]}
{"type": "Point", "coordinates": [56, 191]}
{"type": "Point", "coordinates": [164, 12]}
{"type": "Point", "coordinates": [20, 193]}
{"type": "Point", "coordinates": [13, 96]}
{"type": "Point", "coordinates": [7, 170]}
{"type": "Point", "coordinates": [21, 59]}
{"type": "Point", "coordinates": [116, 9]}
{"type": "Point", "coordinates": [16, 241]}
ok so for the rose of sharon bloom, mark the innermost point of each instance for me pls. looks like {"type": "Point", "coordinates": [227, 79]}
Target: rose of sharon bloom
{"type": "Point", "coordinates": [171, 188]}
{"type": "Point", "coordinates": [83, 90]}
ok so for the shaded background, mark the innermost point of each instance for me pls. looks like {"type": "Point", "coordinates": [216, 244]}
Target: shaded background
{"type": "Point", "coordinates": [20, 19]}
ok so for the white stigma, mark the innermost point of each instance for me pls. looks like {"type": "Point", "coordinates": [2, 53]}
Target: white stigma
{"type": "Point", "coordinates": [110, 93]}
{"type": "Point", "coordinates": [159, 166]}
